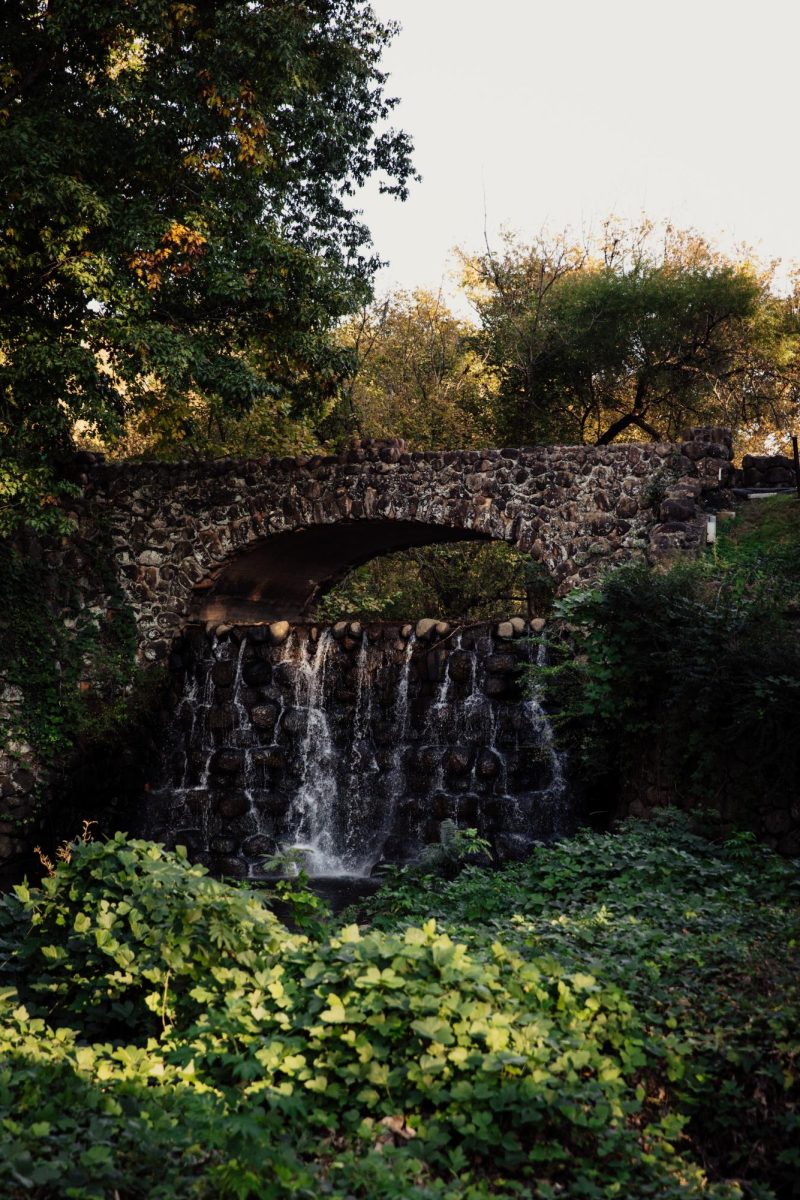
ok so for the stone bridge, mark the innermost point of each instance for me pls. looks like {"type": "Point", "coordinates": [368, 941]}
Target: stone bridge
{"type": "Point", "coordinates": [262, 540]}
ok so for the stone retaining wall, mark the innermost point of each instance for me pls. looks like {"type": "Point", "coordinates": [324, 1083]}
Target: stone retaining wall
{"type": "Point", "coordinates": [356, 741]}
{"type": "Point", "coordinates": [765, 471]}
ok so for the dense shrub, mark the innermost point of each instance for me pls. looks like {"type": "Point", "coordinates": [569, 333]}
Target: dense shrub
{"type": "Point", "coordinates": [162, 1035]}
{"type": "Point", "coordinates": [705, 943]}
{"type": "Point", "coordinates": [698, 665]}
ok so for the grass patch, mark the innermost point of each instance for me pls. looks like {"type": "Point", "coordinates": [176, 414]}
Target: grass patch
{"type": "Point", "coordinates": [763, 542]}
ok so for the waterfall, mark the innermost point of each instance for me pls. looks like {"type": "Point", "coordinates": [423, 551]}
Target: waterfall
{"type": "Point", "coordinates": [351, 746]}
{"type": "Point", "coordinates": [313, 815]}
{"type": "Point", "coordinates": [362, 767]}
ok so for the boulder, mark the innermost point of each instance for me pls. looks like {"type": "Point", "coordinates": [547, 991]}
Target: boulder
{"type": "Point", "coordinates": [458, 760]}
{"type": "Point", "coordinates": [232, 805]}
{"type": "Point", "coordinates": [425, 626]}
{"type": "Point", "coordinates": [223, 673]}
{"type": "Point", "coordinates": [229, 762]}
{"type": "Point", "coordinates": [279, 632]}
{"type": "Point", "coordinates": [258, 846]}
{"type": "Point", "coordinates": [496, 686]}
{"type": "Point", "coordinates": [488, 765]}
{"type": "Point", "coordinates": [264, 716]}
{"type": "Point", "coordinates": [502, 664]}
{"type": "Point", "coordinates": [256, 673]}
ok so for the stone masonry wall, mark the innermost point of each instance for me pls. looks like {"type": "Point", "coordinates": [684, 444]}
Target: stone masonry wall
{"type": "Point", "coordinates": [575, 509]}
{"type": "Point", "coordinates": [177, 527]}
{"type": "Point", "coordinates": [765, 471]}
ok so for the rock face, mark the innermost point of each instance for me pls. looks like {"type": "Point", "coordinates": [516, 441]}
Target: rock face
{"type": "Point", "coordinates": [355, 751]}
{"type": "Point", "coordinates": [260, 540]}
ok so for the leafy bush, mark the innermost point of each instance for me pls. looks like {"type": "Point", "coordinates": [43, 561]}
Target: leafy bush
{"type": "Point", "coordinates": [698, 664]}
{"type": "Point", "coordinates": [122, 934]}
{"type": "Point", "coordinates": [705, 943]}
{"type": "Point", "coordinates": [162, 1035]}
{"type": "Point", "coordinates": [45, 657]}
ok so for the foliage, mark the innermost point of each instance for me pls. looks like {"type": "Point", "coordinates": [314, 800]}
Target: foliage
{"type": "Point", "coordinates": [762, 546]}
{"type": "Point", "coordinates": [641, 332]}
{"type": "Point", "coordinates": [698, 663]}
{"type": "Point", "coordinates": [177, 222]}
{"type": "Point", "coordinates": [45, 658]}
{"type": "Point", "coordinates": [161, 1034]}
{"type": "Point", "coordinates": [415, 374]}
{"type": "Point", "coordinates": [472, 580]}
{"type": "Point", "coordinates": [32, 496]}
{"type": "Point", "coordinates": [702, 939]}
{"type": "Point", "coordinates": [454, 848]}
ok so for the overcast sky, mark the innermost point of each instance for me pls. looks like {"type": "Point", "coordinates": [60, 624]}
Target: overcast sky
{"type": "Point", "coordinates": [560, 112]}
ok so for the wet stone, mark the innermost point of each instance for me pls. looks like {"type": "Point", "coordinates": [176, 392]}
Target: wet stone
{"type": "Point", "coordinates": [496, 686]}
{"type": "Point", "coordinates": [232, 805]}
{"type": "Point", "coordinates": [409, 738]}
{"type": "Point", "coordinates": [222, 845]}
{"type": "Point", "coordinates": [223, 673]}
{"type": "Point", "coordinates": [460, 667]}
{"type": "Point", "coordinates": [229, 762]}
{"type": "Point", "coordinates": [273, 758]}
{"type": "Point", "coordinates": [259, 846]}
{"type": "Point", "coordinates": [458, 760]}
{"type": "Point", "coordinates": [501, 663]}
{"type": "Point", "coordinates": [256, 673]}
{"type": "Point", "coordinates": [221, 717]}
{"type": "Point", "coordinates": [294, 721]}
{"type": "Point", "coordinates": [487, 765]}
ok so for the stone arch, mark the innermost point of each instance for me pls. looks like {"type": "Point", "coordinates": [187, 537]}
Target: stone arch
{"type": "Point", "coordinates": [284, 576]}
{"type": "Point", "coordinates": [184, 533]}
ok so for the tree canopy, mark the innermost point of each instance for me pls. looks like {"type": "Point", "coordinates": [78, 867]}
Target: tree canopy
{"type": "Point", "coordinates": [178, 217]}
{"type": "Point", "coordinates": [634, 334]}
{"type": "Point", "coordinates": [416, 373]}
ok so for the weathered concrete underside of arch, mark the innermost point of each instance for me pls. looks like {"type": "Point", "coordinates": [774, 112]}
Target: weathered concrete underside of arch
{"type": "Point", "coordinates": [262, 539]}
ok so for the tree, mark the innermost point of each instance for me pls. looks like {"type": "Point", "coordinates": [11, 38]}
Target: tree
{"type": "Point", "coordinates": [476, 581]}
{"type": "Point", "coordinates": [631, 336]}
{"type": "Point", "coordinates": [177, 219]}
{"type": "Point", "coordinates": [415, 375]}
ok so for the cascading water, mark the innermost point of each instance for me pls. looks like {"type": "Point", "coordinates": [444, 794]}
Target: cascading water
{"type": "Point", "coordinates": [352, 746]}
{"type": "Point", "coordinates": [313, 816]}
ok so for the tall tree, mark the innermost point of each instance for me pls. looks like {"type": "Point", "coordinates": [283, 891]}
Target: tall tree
{"type": "Point", "coordinates": [635, 335]}
{"type": "Point", "coordinates": [416, 374]}
{"type": "Point", "coordinates": [177, 216]}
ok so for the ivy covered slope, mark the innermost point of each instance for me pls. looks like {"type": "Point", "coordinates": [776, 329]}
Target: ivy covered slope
{"type": "Point", "coordinates": [615, 1017]}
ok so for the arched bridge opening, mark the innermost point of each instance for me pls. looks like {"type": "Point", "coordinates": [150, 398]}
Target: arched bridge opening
{"type": "Point", "coordinates": [283, 577]}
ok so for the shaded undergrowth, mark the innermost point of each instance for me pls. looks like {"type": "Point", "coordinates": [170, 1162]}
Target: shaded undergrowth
{"type": "Point", "coordinates": [615, 1017]}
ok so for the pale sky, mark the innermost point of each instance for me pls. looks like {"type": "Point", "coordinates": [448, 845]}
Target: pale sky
{"type": "Point", "coordinates": [559, 113]}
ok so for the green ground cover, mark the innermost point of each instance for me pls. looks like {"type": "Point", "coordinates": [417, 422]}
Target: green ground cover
{"type": "Point", "coordinates": [617, 1016]}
